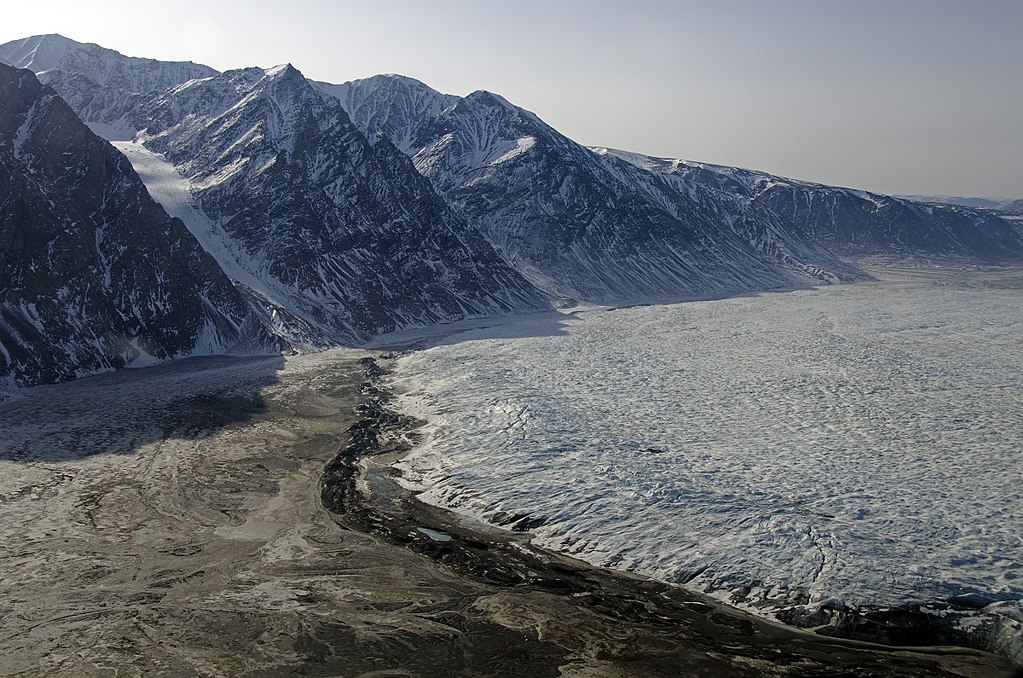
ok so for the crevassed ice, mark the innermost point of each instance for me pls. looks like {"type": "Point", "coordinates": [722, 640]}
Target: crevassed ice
{"type": "Point", "coordinates": [857, 444]}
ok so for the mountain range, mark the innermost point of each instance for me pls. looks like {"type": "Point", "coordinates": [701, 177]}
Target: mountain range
{"type": "Point", "coordinates": [257, 210]}
{"type": "Point", "coordinates": [965, 201]}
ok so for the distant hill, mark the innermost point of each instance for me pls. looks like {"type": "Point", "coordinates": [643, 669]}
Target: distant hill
{"type": "Point", "coordinates": [983, 203]}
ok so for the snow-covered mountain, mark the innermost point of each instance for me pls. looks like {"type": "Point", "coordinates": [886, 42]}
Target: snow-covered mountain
{"type": "Point", "coordinates": [94, 274]}
{"type": "Point", "coordinates": [107, 68]}
{"type": "Point", "coordinates": [846, 221]}
{"type": "Point", "coordinates": [97, 82]}
{"type": "Point", "coordinates": [575, 223]}
{"type": "Point", "coordinates": [343, 232]}
{"type": "Point", "coordinates": [631, 226]}
{"type": "Point", "coordinates": [339, 238]}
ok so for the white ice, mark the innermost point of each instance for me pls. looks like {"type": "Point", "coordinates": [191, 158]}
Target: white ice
{"type": "Point", "coordinates": [174, 192]}
{"type": "Point", "coordinates": [853, 444]}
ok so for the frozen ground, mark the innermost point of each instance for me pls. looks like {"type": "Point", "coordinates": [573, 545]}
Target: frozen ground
{"type": "Point", "coordinates": [846, 446]}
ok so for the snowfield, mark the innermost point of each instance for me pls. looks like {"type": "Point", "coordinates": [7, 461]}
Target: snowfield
{"type": "Point", "coordinates": [852, 445]}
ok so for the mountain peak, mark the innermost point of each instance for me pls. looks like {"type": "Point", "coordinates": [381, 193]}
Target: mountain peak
{"type": "Point", "coordinates": [103, 66]}
{"type": "Point", "coordinates": [396, 81]}
{"type": "Point", "coordinates": [354, 93]}
{"type": "Point", "coordinates": [397, 78]}
{"type": "Point", "coordinates": [39, 52]}
{"type": "Point", "coordinates": [488, 96]}
{"type": "Point", "coordinates": [487, 99]}
{"type": "Point", "coordinates": [283, 71]}
{"type": "Point", "coordinates": [389, 106]}
{"type": "Point", "coordinates": [284, 78]}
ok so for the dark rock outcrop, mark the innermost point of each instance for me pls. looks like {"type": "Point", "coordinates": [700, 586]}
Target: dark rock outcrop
{"type": "Point", "coordinates": [93, 273]}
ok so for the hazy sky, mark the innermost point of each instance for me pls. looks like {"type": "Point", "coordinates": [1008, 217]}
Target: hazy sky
{"type": "Point", "coordinates": [898, 96]}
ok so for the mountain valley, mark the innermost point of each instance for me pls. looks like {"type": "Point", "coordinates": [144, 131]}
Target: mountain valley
{"type": "Point", "coordinates": [339, 212]}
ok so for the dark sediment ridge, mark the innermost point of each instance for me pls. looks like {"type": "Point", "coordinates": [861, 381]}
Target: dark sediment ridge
{"type": "Point", "coordinates": [920, 624]}
{"type": "Point", "coordinates": [661, 629]}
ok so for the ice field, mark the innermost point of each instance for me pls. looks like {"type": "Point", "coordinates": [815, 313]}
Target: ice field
{"type": "Point", "coordinates": [857, 445]}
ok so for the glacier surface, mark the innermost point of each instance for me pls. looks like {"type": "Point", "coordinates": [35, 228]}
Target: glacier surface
{"type": "Point", "coordinates": [850, 446]}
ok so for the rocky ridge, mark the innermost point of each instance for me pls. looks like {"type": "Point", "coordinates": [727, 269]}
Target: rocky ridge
{"type": "Point", "coordinates": [94, 274]}
{"type": "Point", "coordinates": [343, 211]}
{"type": "Point", "coordinates": [632, 227]}
{"type": "Point", "coordinates": [574, 223]}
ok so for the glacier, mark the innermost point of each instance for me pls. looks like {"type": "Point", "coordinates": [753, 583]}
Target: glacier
{"type": "Point", "coordinates": [833, 449]}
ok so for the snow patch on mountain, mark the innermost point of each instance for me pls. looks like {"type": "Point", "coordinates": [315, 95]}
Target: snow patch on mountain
{"type": "Point", "coordinates": [173, 192]}
{"type": "Point", "coordinates": [522, 144]}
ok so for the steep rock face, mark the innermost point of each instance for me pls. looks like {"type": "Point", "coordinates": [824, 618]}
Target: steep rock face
{"type": "Point", "coordinates": [394, 107]}
{"type": "Point", "coordinates": [851, 222]}
{"type": "Point", "coordinates": [96, 82]}
{"type": "Point", "coordinates": [770, 234]}
{"type": "Point", "coordinates": [93, 273]}
{"type": "Point", "coordinates": [622, 226]}
{"type": "Point", "coordinates": [344, 233]}
{"type": "Point", "coordinates": [576, 223]}
{"type": "Point", "coordinates": [337, 237]}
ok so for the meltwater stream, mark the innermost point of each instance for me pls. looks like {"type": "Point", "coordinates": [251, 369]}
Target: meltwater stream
{"type": "Point", "coordinates": [846, 446]}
